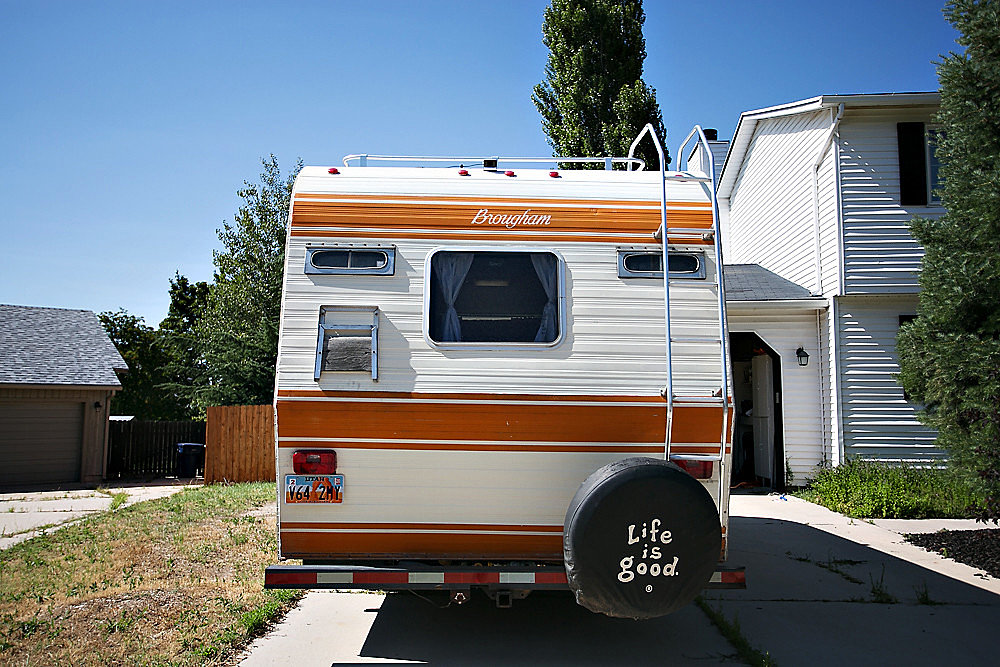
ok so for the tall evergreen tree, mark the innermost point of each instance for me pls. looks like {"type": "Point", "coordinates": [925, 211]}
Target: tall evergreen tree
{"type": "Point", "coordinates": [238, 334]}
{"type": "Point", "coordinates": [593, 101]}
{"type": "Point", "coordinates": [950, 355]}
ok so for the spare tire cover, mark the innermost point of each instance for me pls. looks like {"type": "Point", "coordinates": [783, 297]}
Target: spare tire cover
{"type": "Point", "coordinates": [641, 539]}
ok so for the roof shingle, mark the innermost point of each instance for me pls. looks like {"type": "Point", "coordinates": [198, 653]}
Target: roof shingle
{"type": "Point", "coordinates": [56, 346]}
{"type": "Point", "coordinates": [752, 282]}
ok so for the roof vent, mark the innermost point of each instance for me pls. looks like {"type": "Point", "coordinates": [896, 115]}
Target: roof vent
{"type": "Point", "coordinates": [712, 135]}
{"type": "Point", "coordinates": [490, 163]}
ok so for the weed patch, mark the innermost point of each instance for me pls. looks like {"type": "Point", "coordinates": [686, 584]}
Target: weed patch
{"type": "Point", "coordinates": [731, 631]}
{"type": "Point", "coordinates": [867, 489]}
{"type": "Point", "coordinates": [170, 581]}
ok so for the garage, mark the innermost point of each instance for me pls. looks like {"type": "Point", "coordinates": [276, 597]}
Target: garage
{"type": "Point", "coordinates": [58, 372]}
{"type": "Point", "coordinates": [42, 442]}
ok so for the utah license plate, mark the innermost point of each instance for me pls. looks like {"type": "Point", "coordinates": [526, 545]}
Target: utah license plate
{"type": "Point", "coordinates": [314, 488]}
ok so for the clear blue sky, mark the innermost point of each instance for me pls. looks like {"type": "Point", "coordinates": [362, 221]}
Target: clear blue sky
{"type": "Point", "coordinates": [127, 127]}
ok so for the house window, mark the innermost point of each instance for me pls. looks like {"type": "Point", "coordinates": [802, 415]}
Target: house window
{"type": "Point", "coordinates": [903, 319]}
{"type": "Point", "coordinates": [348, 341]}
{"type": "Point", "coordinates": [351, 260]}
{"type": "Point", "coordinates": [645, 263]}
{"type": "Point", "coordinates": [918, 164]}
{"type": "Point", "coordinates": [502, 297]}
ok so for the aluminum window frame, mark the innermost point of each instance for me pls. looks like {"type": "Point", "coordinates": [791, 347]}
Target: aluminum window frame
{"type": "Point", "coordinates": [701, 273]}
{"type": "Point", "coordinates": [388, 269]}
{"type": "Point", "coordinates": [561, 319]}
{"type": "Point", "coordinates": [357, 327]}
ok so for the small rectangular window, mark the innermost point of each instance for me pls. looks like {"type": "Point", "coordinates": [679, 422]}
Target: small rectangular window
{"type": "Point", "coordinates": [479, 296]}
{"type": "Point", "coordinates": [351, 260]}
{"type": "Point", "coordinates": [648, 263]}
{"type": "Point", "coordinates": [348, 340]}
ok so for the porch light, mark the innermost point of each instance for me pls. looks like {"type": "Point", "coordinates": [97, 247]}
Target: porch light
{"type": "Point", "coordinates": [802, 356]}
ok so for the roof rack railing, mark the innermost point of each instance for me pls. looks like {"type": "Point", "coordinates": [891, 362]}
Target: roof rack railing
{"type": "Point", "coordinates": [495, 160]}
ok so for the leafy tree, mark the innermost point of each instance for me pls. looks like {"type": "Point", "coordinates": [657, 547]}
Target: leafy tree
{"type": "Point", "coordinates": [593, 101]}
{"type": "Point", "coordinates": [950, 355]}
{"type": "Point", "coordinates": [142, 349]}
{"type": "Point", "coordinates": [184, 371]}
{"type": "Point", "coordinates": [238, 334]}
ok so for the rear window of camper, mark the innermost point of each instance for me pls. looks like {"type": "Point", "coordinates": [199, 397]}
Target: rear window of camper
{"type": "Point", "coordinates": [494, 297]}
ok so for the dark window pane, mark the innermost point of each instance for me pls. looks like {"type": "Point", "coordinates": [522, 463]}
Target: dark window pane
{"type": "Point", "coordinates": [912, 164]}
{"type": "Point", "coordinates": [683, 263]}
{"type": "Point", "coordinates": [646, 262]}
{"type": "Point", "coordinates": [367, 259]}
{"type": "Point", "coordinates": [330, 259]}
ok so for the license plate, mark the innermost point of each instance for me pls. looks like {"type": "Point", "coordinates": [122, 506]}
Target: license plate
{"type": "Point", "coordinates": [314, 488]}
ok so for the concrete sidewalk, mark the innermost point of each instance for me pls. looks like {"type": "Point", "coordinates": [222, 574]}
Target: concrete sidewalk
{"type": "Point", "coordinates": [25, 514]}
{"type": "Point", "coordinates": [823, 589]}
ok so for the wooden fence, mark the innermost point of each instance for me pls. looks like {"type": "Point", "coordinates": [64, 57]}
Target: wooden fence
{"type": "Point", "coordinates": [147, 449]}
{"type": "Point", "coordinates": [240, 444]}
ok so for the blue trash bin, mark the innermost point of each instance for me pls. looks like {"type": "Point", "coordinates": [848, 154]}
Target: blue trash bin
{"type": "Point", "coordinates": [190, 459]}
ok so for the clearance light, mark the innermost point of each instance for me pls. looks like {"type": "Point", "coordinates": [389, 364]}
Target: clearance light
{"type": "Point", "coordinates": [554, 174]}
{"type": "Point", "coordinates": [463, 172]}
{"type": "Point", "coordinates": [508, 173]}
{"type": "Point", "coordinates": [314, 462]}
{"type": "Point", "coordinates": [697, 469]}
{"type": "Point", "coordinates": [333, 170]}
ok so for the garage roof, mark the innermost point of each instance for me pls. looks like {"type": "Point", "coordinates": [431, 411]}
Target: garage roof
{"type": "Point", "coordinates": [56, 346]}
{"type": "Point", "coordinates": [752, 282]}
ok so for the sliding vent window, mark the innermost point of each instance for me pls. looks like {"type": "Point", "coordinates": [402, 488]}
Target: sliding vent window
{"type": "Point", "coordinates": [649, 264]}
{"type": "Point", "coordinates": [375, 261]}
{"type": "Point", "coordinates": [494, 297]}
{"type": "Point", "coordinates": [348, 341]}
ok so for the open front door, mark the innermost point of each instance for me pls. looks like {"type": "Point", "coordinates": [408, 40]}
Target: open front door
{"type": "Point", "coordinates": [763, 416]}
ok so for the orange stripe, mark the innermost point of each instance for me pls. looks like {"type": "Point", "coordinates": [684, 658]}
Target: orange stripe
{"type": "Point", "coordinates": [424, 526]}
{"type": "Point", "coordinates": [465, 447]}
{"type": "Point", "coordinates": [549, 238]}
{"type": "Point", "coordinates": [424, 217]}
{"type": "Point", "coordinates": [420, 545]}
{"type": "Point", "coordinates": [416, 420]}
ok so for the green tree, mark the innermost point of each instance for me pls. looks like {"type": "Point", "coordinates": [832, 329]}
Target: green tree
{"type": "Point", "coordinates": [142, 349]}
{"type": "Point", "coordinates": [593, 101]}
{"type": "Point", "coordinates": [184, 374]}
{"type": "Point", "coordinates": [238, 334]}
{"type": "Point", "coordinates": [950, 354]}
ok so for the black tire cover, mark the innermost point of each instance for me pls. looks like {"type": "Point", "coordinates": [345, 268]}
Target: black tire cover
{"type": "Point", "coordinates": [641, 539]}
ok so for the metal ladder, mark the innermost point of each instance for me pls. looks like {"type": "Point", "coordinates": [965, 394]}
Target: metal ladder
{"type": "Point", "coordinates": [723, 399]}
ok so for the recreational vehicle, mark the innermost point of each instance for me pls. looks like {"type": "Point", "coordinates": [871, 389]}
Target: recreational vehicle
{"type": "Point", "coordinates": [499, 377]}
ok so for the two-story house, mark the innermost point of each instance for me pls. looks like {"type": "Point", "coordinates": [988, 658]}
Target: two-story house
{"type": "Point", "coordinates": [818, 194]}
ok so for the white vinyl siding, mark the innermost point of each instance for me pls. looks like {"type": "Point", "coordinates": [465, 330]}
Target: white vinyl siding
{"type": "Point", "coordinates": [771, 214]}
{"type": "Point", "coordinates": [880, 254]}
{"type": "Point", "coordinates": [801, 392]}
{"type": "Point", "coordinates": [878, 422]}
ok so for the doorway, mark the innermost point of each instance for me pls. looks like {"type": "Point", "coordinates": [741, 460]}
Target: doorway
{"type": "Point", "coordinates": [758, 447]}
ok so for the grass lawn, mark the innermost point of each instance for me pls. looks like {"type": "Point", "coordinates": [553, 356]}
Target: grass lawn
{"type": "Point", "coordinates": [173, 581]}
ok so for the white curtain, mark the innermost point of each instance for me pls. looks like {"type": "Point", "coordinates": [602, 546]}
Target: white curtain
{"type": "Point", "coordinates": [450, 269]}
{"type": "Point", "coordinates": [545, 268]}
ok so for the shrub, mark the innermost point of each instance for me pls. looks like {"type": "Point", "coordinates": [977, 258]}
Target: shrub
{"type": "Point", "coordinates": [868, 489]}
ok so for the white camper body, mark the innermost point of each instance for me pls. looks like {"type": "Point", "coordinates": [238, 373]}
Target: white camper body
{"type": "Point", "coordinates": [467, 346]}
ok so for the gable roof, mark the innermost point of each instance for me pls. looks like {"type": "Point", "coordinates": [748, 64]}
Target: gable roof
{"type": "Point", "coordinates": [749, 119]}
{"type": "Point", "coordinates": [56, 346]}
{"type": "Point", "coordinates": [752, 282]}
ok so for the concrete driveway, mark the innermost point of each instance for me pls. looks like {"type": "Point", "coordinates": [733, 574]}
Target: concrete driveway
{"type": "Point", "coordinates": [24, 514]}
{"type": "Point", "coordinates": [822, 590]}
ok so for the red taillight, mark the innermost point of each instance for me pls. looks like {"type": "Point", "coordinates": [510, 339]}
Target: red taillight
{"type": "Point", "coordinates": [333, 170]}
{"type": "Point", "coordinates": [314, 462]}
{"type": "Point", "coordinates": [697, 469]}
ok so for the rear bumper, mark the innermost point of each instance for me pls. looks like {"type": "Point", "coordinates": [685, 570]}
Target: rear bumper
{"type": "Point", "coordinates": [417, 576]}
